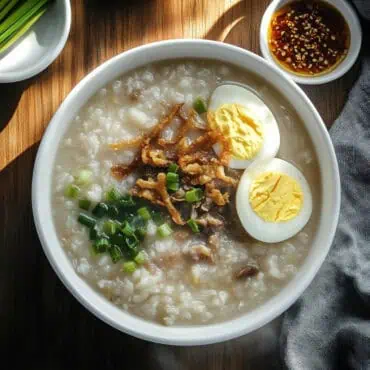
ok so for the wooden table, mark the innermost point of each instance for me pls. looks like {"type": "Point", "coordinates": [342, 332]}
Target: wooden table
{"type": "Point", "coordinates": [39, 319]}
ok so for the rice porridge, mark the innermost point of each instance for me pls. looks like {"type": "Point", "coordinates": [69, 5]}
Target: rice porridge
{"type": "Point", "coordinates": [175, 251]}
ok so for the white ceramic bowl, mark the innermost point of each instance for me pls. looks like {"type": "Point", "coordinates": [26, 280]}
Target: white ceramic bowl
{"type": "Point", "coordinates": [355, 44]}
{"type": "Point", "coordinates": [40, 47]}
{"type": "Point", "coordinates": [100, 306]}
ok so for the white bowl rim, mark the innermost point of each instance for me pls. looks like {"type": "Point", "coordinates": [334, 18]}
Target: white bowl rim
{"type": "Point", "coordinates": [130, 324]}
{"type": "Point", "coordinates": [32, 70]}
{"type": "Point", "coordinates": [356, 40]}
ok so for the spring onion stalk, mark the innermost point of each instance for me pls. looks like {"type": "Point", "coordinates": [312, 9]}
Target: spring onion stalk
{"type": "Point", "coordinates": [199, 105]}
{"type": "Point", "coordinates": [6, 10]}
{"type": "Point", "coordinates": [140, 258]}
{"type": "Point", "coordinates": [86, 220]}
{"type": "Point", "coordinates": [173, 167]}
{"type": "Point", "coordinates": [113, 211]}
{"type": "Point", "coordinates": [100, 210]}
{"type": "Point", "coordinates": [144, 213]}
{"type": "Point", "coordinates": [84, 177]}
{"type": "Point", "coordinates": [22, 15]}
{"type": "Point", "coordinates": [129, 267]}
{"type": "Point", "coordinates": [84, 204]}
{"type": "Point", "coordinates": [193, 226]}
{"type": "Point", "coordinates": [194, 195]}
{"type": "Point", "coordinates": [164, 230]}
{"type": "Point", "coordinates": [72, 191]}
{"type": "Point", "coordinates": [3, 3]}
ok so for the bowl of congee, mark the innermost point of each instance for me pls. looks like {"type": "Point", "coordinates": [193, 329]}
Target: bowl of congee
{"type": "Point", "coordinates": [186, 192]}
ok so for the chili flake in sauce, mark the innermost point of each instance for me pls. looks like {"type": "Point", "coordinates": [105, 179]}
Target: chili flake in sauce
{"type": "Point", "coordinates": [309, 37]}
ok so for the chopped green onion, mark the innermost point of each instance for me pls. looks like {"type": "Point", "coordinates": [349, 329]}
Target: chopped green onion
{"type": "Point", "coordinates": [84, 177]}
{"type": "Point", "coordinates": [173, 167]}
{"type": "Point", "coordinates": [132, 241]}
{"type": "Point", "coordinates": [193, 226]}
{"type": "Point", "coordinates": [164, 230]}
{"type": "Point", "coordinates": [173, 186]}
{"type": "Point", "coordinates": [118, 239]}
{"type": "Point", "coordinates": [100, 210]}
{"type": "Point", "coordinates": [127, 229]}
{"type": "Point", "coordinates": [172, 177]}
{"type": "Point", "coordinates": [113, 211]}
{"type": "Point", "coordinates": [140, 233]}
{"type": "Point", "coordinates": [126, 201]}
{"type": "Point", "coordinates": [140, 258]}
{"type": "Point", "coordinates": [110, 227]}
{"type": "Point", "coordinates": [112, 195]}
{"type": "Point", "coordinates": [101, 245]}
{"type": "Point", "coordinates": [72, 191]}
{"type": "Point", "coordinates": [129, 267]}
{"type": "Point", "coordinates": [86, 220]}
{"type": "Point", "coordinates": [157, 218]}
{"type": "Point", "coordinates": [137, 222]}
{"type": "Point", "coordinates": [94, 233]}
{"type": "Point", "coordinates": [144, 213]}
{"type": "Point", "coordinates": [84, 204]}
{"type": "Point", "coordinates": [115, 253]}
{"type": "Point", "coordinates": [194, 195]}
{"type": "Point", "coordinates": [199, 105]}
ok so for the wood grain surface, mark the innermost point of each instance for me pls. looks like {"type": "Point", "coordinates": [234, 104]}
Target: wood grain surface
{"type": "Point", "coordinates": [40, 322]}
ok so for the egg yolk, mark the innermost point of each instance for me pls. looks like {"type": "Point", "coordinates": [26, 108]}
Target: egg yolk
{"type": "Point", "coordinates": [276, 197]}
{"type": "Point", "coordinates": [244, 134]}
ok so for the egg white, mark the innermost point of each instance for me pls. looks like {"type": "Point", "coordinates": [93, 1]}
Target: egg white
{"type": "Point", "coordinates": [234, 94]}
{"type": "Point", "coordinates": [270, 232]}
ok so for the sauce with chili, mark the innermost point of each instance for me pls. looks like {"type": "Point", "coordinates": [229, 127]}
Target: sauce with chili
{"type": "Point", "coordinates": [309, 38]}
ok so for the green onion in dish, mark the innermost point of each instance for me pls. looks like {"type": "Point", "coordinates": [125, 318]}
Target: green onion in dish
{"type": "Point", "coordinates": [173, 186]}
{"type": "Point", "coordinates": [110, 227]}
{"type": "Point", "coordinates": [86, 220]}
{"type": "Point", "coordinates": [84, 204]}
{"type": "Point", "coordinates": [140, 258]}
{"type": "Point", "coordinates": [94, 233]}
{"type": "Point", "coordinates": [199, 105]}
{"type": "Point", "coordinates": [126, 201]}
{"type": "Point", "coordinates": [129, 267]}
{"type": "Point", "coordinates": [115, 253]}
{"type": "Point", "coordinates": [140, 233]}
{"type": "Point", "coordinates": [194, 195]}
{"type": "Point", "coordinates": [157, 217]}
{"type": "Point", "coordinates": [113, 195]}
{"type": "Point", "coordinates": [100, 210]}
{"type": "Point", "coordinates": [113, 211]}
{"type": "Point", "coordinates": [193, 226]}
{"type": "Point", "coordinates": [101, 245]}
{"type": "Point", "coordinates": [144, 213]}
{"type": "Point", "coordinates": [131, 241]}
{"type": "Point", "coordinates": [83, 177]}
{"type": "Point", "coordinates": [20, 17]}
{"type": "Point", "coordinates": [127, 229]}
{"type": "Point", "coordinates": [72, 191]}
{"type": "Point", "coordinates": [6, 7]}
{"type": "Point", "coordinates": [164, 230]}
{"type": "Point", "coordinates": [173, 167]}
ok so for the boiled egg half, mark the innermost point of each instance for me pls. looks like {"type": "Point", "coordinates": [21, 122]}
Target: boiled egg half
{"type": "Point", "coordinates": [273, 200]}
{"type": "Point", "coordinates": [246, 122]}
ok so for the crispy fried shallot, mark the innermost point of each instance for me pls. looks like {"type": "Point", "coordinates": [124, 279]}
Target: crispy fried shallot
{"type": "Point", "coordinates": [160, 187]}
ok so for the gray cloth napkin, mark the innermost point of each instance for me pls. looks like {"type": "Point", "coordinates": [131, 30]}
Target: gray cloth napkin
{"type": "Point", "coordinates": [329, 327]}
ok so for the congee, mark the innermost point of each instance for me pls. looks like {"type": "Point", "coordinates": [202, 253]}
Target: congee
{"type": "Point", "coordinates": [186, 192]}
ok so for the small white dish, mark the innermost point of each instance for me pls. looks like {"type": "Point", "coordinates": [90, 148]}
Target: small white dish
{"type": "Point", "coordinates": [95, 302]}
{"type": "Point", "coordinates": [355, 43]}
{"type": "Point", "coordinates": [40, 47]}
